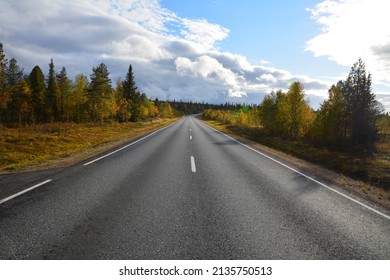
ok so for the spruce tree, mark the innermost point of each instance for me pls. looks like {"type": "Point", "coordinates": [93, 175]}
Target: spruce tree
{"type": "Point", "coordinates": [132, 95]}
{"type": "Point", "coordinates": [52, 94]}
{"type": "Point", "coordinates": [362, 108]}
{"type": "Point", "coordinates": [38, 91]}
{"type": "Point", "coordinates": [3, 91]}
{"type": "Point", "coordinates": [64, 93]}
{"type": "Point", "coordinates": [14, 75]}
{"type": "Point", "coordinates": [100, 93]}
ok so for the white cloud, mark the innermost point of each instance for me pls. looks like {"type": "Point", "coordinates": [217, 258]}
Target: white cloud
{"type": "Point", "coordinates": [137, 46]}
{"type": "Point", "coordinates": [235, 62]}
{"type": "Point", "coordinates": [203, 33]}
{"type": "Point", "coordinates": [208, 67]}
{"type": "Point", "coordinates": [264, 62]}
{"type": "Point", "coordinates": [353, 29]}
{"type": "Point", "coordinates": [172, 57]}
{"type": "Point", "coordinates": [269, 78]}
{"type": "Point", "coordinates": [149, 13]}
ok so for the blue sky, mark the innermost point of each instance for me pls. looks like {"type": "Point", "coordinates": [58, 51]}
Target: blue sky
{"type": "Point", "coordinates": [274, 31]}
{"type": "Point", "coordinates": [213, 51]}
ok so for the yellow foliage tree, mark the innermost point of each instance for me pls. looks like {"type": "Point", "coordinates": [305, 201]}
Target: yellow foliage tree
{"type": "Point", "coordinates": [294, 113]}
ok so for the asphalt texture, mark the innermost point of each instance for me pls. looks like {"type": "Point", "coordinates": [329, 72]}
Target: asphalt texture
{"type": "Point", "coordinates": [151, 201]}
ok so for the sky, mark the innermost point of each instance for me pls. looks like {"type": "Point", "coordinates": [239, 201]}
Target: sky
{"type": "Point", "coordinates": [212, 51]}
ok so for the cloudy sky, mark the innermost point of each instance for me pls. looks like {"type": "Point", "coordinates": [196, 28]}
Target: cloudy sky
{"type": "Point", "coordinates": [205, 50]}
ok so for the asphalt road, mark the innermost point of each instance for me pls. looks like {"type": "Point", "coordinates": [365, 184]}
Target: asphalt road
{"type": "Point", "coordinates": [184, 192]}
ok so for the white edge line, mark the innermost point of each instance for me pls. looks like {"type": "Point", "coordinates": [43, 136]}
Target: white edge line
{"type": "Point", "coordinates": [302, 174]}
{"type": "Point", "coordinates": [24, 191]}
{"type": "Point", "coordinates": [124, 147]}
{"type": "Point", "coordinates": [193, 167]}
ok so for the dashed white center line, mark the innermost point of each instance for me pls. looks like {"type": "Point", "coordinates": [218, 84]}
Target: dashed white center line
{"type": "Point", "coordinates": [190, 137]}
{"type": "Point", "coordinates": [24, 191]}
{"type": "Point", "coordinates": [193, 167]}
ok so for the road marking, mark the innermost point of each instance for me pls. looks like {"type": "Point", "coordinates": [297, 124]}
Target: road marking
{"type": "Point", "coordinates": [190, 137]}
{"type": "Point", "coordinates": [124, 147]}
{"type": "Point", "coordinates": [190, 129]}
{"type": "Point", "coordinates": [193, 167]}
{"type": "Point", "coordinates": [24, 191]}
{"type": "Point", "coordinates": [304, 175]}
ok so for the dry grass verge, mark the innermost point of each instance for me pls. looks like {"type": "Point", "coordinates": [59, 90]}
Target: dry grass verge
{"type": "Point", "coordinates": [62, 144]}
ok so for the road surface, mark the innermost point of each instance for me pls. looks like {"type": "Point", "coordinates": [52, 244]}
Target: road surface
{"type": "Point", "coordinates": [184, 192]}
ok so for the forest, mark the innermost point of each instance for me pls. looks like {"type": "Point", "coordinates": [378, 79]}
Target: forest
{"type": "Point", "coordinates": [36, 98]}
{"type": "Point", "coordinates": [350, 116]}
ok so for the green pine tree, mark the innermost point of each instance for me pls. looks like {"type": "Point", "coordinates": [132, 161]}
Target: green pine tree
{"type": "Point", "coordinates": [362, 109]}
{"type": "Point", "coordinates": [132, 95]}
{"type": "Point", "coordinates": [64, 93]}
{"type": "Point", "coordinates": [14, 75]}
{"type": "Point", "coordinates": [38, 92]}
{"type": "Point", "coordinates": [100, 93]}
{"type": "Point", "coordinates": [52, 94]}
{"type": "Point", "coordinates": [4, 96]}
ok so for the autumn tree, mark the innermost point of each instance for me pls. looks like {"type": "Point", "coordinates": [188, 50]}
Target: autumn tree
{"type": "Point", "coordinates": [122, 104]}
{"type": "Point", "coordinates": [294, 112]}
{"type": "Point", "coordinates": [329, 126]}
{"type": "Point", "coordinates": [241, 118]}
{"type": "Point", "coordinates": [268, 110]}
{"type": "Point", "coordinates": [153, 110]}
{"type": "Point", "coordinates": [383, 127]}
{"type": "Point", "coordinates": [165, 110]}
{"type": "Point", "coordinates": [21, 102]}
{"type": "Point", "coordinates": [148, 109]}
{"type": "Point", "coordinates": [75, 103]}
{"type": "Point", "coordinates": [253, 116]}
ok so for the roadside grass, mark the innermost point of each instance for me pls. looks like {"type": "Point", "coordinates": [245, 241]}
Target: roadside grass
{"type": "Point", "coordinates": [60, 144]}
{"type": "Point", "coordinates": [370, 168]}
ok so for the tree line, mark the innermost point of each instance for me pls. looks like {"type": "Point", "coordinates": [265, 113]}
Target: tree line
{"type": "Point", "coordinates": [36, 98]}
{"type": "Point", "coordinates": [190, 108]}
{"type": "Point", "coordinates": [350, 115]}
